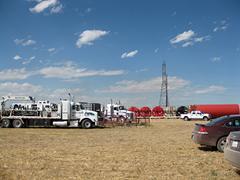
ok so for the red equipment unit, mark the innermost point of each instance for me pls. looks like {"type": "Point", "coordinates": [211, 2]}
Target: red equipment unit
{"type": "Point", "coordinates": [135, 110]}
{"type": "Point", "coordinates": [157, 111]}
{"type": "Point", "coordinates": [216, 110]}
{"type": "Point", "coordinates": [145, 112]}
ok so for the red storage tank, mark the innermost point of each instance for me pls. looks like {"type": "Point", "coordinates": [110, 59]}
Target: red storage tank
{"type": "Point", "coordinates": [216, 110]}
{"type": "Point", "coordinates": [157, 111]}
{"type": "Point", "coordinates": [145, 112]}
{"type": "Point", "coordinates": [135, 110]}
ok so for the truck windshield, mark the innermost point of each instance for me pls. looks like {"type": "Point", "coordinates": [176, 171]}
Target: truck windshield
{"type": "Point", "coordinates": [76, 107]}
{"type": "Point", "coordinates": [122, 108]}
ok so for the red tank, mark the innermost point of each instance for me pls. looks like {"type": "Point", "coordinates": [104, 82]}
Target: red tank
{"type": "Point", "coordinates": [216, 110]}
{"type": "Point", "coordinates": [145, 112]}
{"type": "Point", "coordinates": [157, 111]}
{"type": "Point", "coordinates": [135, 110]}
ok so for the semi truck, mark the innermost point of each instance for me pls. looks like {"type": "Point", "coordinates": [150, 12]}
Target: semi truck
{"type": "Point", "coordinates": [66, 114]}
{"type": "Point", "coordinates": [118, 110]}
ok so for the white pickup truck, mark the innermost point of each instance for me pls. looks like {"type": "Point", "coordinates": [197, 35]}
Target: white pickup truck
{"type": "Point", "coordinates": [196, 115]}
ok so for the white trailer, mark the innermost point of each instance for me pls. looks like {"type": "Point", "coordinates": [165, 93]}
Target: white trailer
{"type": "Point", "coordinates": [68, 114]}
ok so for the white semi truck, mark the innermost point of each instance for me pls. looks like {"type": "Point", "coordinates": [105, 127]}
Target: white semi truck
{"type": "Point", "coordinates": [118, 110]}
{"type": "Point", "coordinates": [67, 114]}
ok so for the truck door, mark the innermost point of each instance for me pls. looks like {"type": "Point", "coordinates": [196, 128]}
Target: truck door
{"type": "Point", "coordinates": [193, 115]}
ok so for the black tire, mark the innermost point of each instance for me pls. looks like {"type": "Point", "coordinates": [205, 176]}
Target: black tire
{"type": "Point", "coordinates": [121, 120]}
{"type": "Point", "coordinates": [17, 123]}
{"type": "Point", "coordinates": [205, 118]}
{"type": "Point", "coordinates": [6, 123]}
{"type": "Point", "coordinates": [185, 118]}
{"type": "Point", "coordinates": [86, 124]}
{"type": "Point", "coordinates": [221, 143]}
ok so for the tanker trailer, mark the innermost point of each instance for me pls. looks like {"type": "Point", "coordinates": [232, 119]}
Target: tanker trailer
{"type": "Point", "coordinates": [216, 110]}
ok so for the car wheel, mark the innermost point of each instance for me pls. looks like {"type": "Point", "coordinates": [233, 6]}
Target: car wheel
{"type": "Point", "coordinates": [86, 124]}
{"type": "Point", "coordinates": [6, 123]}
{"type": "Point", "coordinates": [186, 118]}
{"type": "Point", "coordinates": [205, 118]}
{"type": "Point", "coordinates": [221, 143]}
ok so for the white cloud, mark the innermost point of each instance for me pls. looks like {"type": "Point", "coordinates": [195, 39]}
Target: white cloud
{"type": "Point", "coordinates": [198, 39]}
{"type": "Point", "coordinates": [221, 26]}
{"type": "Point", "coordinates": [89, 10]}
{"type": "Point", "coordinates": [216, 58]}
{"type": "Point", "coordinates": [56, 9]}
{"type": "Point", "coordinates": [51, 49]}
{"type": "Point", "coordinates": [26, 62]}
{"type": "Point", "coordinates": [174, 13]}
{"type": "Point", "coordinates": [187, 44]}
{"type": "Point", "coordinates": [185, 36]}
{"type": "Point", "coordinates": [16, 74]}
{"type": "Point", "coordinates": [223, 22]}
{"type": "Point", "coordinates": [215, 29]}
{"type": "Point", "coordinates": [17, 57]}
{"type": "Point", "coordinates": [17, 41]}
{"type": "Point", "coordinates": [9, 88]}
{"type": "Point", "coordinates": [156, 50]}
{"type": "Point", "coordinates": [131, 54]}
{"type": "Point", "coordinates": [68, 71]}
{"type": "Point", "coordinates": [142, 70]}
{"type": "Point", "coordinates": [88, 36]}
{"type": "Point", "coordinates": [152, 85]}
{"type": "Point", "coordinates": [218, 89]}
{"type": "Point", "coordinates": [42, 5]}
{"type": "Point", "coordinates": [238, 49]}
{"type": "Point", "coordinates": [66, 91]}
{"type": "Point", "coordinates": [29, 42]}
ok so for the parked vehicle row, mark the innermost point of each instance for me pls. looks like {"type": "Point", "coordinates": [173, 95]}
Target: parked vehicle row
{"type": "Point", "coordinates": [223, 133]}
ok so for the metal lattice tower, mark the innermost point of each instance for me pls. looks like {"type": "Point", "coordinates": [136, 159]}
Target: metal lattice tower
{"type": "Point", "coordinates": [163, 102]}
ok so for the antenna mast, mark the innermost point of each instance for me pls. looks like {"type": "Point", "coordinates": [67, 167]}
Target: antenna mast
{"type": "Point", "coordinates": [163, 102]}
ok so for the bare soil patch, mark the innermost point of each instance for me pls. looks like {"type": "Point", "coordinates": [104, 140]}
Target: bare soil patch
{"type": "Point", "coordinates": [163, 150]}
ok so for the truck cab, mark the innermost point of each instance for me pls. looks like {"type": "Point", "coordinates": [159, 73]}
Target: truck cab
{"type": "Point", "coordinates": [119, 111]}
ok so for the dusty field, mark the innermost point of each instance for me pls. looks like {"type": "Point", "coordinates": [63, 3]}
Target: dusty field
{"type": "Point", "coordinates": [163, 150]}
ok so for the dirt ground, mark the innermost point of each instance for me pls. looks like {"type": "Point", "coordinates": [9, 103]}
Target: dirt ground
{"type": "Point", "coordinates": [163, 150]}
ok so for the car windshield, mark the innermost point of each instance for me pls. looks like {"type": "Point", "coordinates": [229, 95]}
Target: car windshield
{"type": "Point", "coordinates": [217, 120]}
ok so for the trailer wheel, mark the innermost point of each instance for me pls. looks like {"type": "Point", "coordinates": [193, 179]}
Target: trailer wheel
{"type": "Point", "coordinates": [6, 123]}
{"type": "Point", "coordinates": [186, 118]}
{"type": "Point", "coordinates": [17, 123]}
{"type": "Point", "coordinates": [86, 124]}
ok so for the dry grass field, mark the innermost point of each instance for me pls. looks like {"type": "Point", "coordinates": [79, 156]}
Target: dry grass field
{"type": "Point", "coordinates": [163, 150]}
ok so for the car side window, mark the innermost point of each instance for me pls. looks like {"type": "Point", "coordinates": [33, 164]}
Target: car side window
{"type": "Point", "coordinates": [237, 122]}
{"type": "Point", "coordinates": [229, 123]}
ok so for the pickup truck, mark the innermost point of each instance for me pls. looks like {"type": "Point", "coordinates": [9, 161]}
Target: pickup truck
{"type": "Point", "coordinates": [195, 115]}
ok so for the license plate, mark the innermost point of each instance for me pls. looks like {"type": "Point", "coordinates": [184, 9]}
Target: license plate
{"type": "Point", "coordinates": [234, 144]}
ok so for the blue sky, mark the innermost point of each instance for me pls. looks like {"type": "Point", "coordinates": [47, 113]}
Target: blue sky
{"type": "Point", "coordinates": [99, 50]}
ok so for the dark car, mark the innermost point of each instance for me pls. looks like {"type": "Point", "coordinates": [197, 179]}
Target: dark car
{"type": "Point", "coordinates": [215, 132]}
{"type": "Point", "coordinates": [232, 149]}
